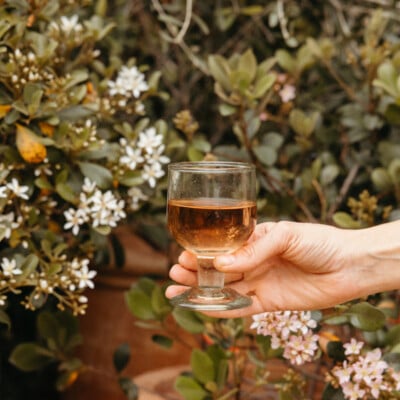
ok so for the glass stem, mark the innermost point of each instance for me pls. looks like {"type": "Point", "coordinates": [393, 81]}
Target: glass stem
{"type": "Point", "coordinates": [207, 275]}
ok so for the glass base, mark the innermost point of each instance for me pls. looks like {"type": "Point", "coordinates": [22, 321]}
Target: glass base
{"type": "Point", "coordinates": [211, 299]}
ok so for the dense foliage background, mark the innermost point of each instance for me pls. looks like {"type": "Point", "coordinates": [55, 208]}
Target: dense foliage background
{"type": "Point", "coordinates": [309, 91]}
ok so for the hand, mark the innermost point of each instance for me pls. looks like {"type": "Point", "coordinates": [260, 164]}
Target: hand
{"type": "Point", "coordinates": [284, 266]}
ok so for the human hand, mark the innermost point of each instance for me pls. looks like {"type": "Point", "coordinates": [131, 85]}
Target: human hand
{"type": "Point", "coordinates": [284, 266]}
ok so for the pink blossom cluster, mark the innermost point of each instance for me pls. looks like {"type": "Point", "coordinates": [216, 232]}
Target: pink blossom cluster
{"type": "Point", "coordinates": [365, 375]}
{"type": "Point", "coordinates": [290, 330]}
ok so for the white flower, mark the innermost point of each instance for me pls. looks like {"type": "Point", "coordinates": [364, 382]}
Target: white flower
{"type": "Point", "coordinates": [151, 173]}
{"type": "Point", "coordinates": [88, 186]}
{"type": "Point", "coordinates": [7, 223]}
{"type": "Point", "coordinates": [85, 277]}
{"type": "Point", "coordinates": [129, 82]}
{"type": "Point", "coordinates": [3, 192]}
{"type": "Point", "coordinates": [75, 218]}
{"type": "Point", "coordinates": [136, 195]}
{"type": "Point", "coordinates": [17, 189]}
{"type": "Point", "coordinates": [131, 158]}
{"type": "Point", "coordinates": [157, 156]}
{"type": "Point", "coordinates": [9, 267]}
{"type": "Point", "coordinates": [149, 140]}
{"type": "Point", "coordinates": [69, 25]}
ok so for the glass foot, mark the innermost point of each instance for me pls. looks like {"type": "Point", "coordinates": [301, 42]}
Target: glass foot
{"type": "Point", "coordinates": [211, 299]}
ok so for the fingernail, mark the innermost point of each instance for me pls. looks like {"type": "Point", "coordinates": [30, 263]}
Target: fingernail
{"type": "Point", "coordinates": [224, 261]}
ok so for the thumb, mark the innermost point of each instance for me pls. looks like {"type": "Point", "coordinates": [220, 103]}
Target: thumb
{"type": "Point", "coordinates": [269, 241]}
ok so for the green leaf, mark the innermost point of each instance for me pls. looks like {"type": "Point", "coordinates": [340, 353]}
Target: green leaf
{"type": "Point", "coordinates": [394, 170]}
{"type": "Point", "coordinates": [160, 304]}
{"type": "Point", "coordinates": [331, 393]}
{"type": "Point", "coordinates": [267, 155]}
{"type": "Point", "coordinates": [202, 366]}
{"type": "Point", "coordinates": [29, 265]}
{"type": "Point", "coordinates": [30, 357]}
{"type": "Point", "coordinates": [381, 179]}
{"type": "Point", "coordinates": [285, 60]}
{"type": "Point", "coordinates": [97, 173]}
{"type": "Point", "coordinates": [220, 71]}
{"type": "Point", "coordinates": [393, 336]}
{"type": "Point", "coordinates": [345, 220]}
{"type": "Point", "coordinates": [329, 173]}
{"type": "Point", "coordinates": [129, 388]}
{"type": "Point", "coordinates": [65, 191]}
{"type": "Point", "coordinates": [163, 341]}
{"type": "Point", "coordinates": [190, 389]}
{"type": "Point", "coordinates": [248, 64]}
{"type": "Point", "coordinates": [188, 320]}
{"type": "Point", "coordinates": [121, 357]}
{"type": "Point", "coordinates": [301, 123]}
{"type": "Point", "coordinates": [5, 319]}
{"type": "Point", "coordinates": [262, 85]}
{"type": "Point", "coordinates": [139, 304]}
{"type": "Point", "coordinates": [47, 325]}
{"type": "Point", "coordinates": [366, 317]}
{"type": "Point", "coordinates": [226, 109]}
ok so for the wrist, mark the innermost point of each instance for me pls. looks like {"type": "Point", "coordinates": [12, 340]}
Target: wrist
{"type": "Point", "coordinates": [375, 259]}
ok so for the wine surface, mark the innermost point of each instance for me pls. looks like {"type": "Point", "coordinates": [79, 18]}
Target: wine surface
{"type": "Point", "coordinates": [211, 226]}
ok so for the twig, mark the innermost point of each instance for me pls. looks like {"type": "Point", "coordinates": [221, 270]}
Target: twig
{"type": "Point", "coordinates": [343, 190]}
{"type": "Point", "coordinates": [186, 23]}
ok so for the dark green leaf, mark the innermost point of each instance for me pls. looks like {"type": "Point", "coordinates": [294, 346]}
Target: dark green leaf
{"type": "Point", "coordinates": [163, 341]}
{"type": "Point", "coordinates": [121, 357]}
{"type": "Point", "coordinates": [129, 388]}
{"type": "Point", "coordinates": [366, 317]}
{"type": "Point", "coordinates": [331, 393]}
{"type": "Point", "coordinates": [97, 173]}
{"type": "Point", "coordinates": [30, 357]}
{"type": "Point", "coordinates": [335, 350]}
{"type": "Point", "coordinates": [5, 319]}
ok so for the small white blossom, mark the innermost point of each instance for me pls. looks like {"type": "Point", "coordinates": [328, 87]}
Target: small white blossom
{"type": "Point", "coordinates": [3, 192]}
{"type": "Point", "coordinates": [131, 158]}
{"type": "Point", "coordinates": [149, 140]}
{"type": "Point", "coordinates": [75, 218]}
{"type": "Point", "coordinates": [129, 82]}
{"type": "Point", "coordinates": [157, 156]}
{"type": "Point", "coordinates": [88, 186]}
{"type": "Point", "coordinates": [69, 25]}
{"type": "Point", "coordinates": [136, 196]}
{"type": "Point", "coordinates": [151, 173]}
{"type": "Point", "coordinates": [85, 277]}
{"type": "Point", "coordinates": [17, 189]}
{"type": "Point", "coordinates": [9, 267]}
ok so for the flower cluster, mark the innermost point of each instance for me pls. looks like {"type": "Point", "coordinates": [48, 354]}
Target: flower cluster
{"type": "Point", "coordinates": [67, 286]}
{"type": "Point", "coordinates": [148, 153]}
{"type": "Point", "coordinates": [364, 376]}
{"type": "Point", "coordinates": [290, 330]}
{"type": "Point", "coordinates": [95, 207]}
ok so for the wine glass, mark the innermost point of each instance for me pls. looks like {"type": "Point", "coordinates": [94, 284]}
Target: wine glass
{"type": "Point", "coordinates": [211, 211]}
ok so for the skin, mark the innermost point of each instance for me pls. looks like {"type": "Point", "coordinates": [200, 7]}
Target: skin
{"type": "Point", "coordinates": [303, 266]}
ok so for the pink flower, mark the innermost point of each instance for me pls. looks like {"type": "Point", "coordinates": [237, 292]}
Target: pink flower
{"type": "Point", "coordinates": [354, 347]}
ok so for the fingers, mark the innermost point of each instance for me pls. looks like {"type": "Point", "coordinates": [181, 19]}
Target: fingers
{"type": "Point", "coordinates": [174, 290]}
{"type": "Point", "coordinates": [268, 241]}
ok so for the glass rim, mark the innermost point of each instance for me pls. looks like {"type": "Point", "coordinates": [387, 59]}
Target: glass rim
{"type": "Point", "coordinates": [207, 166]}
